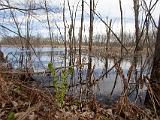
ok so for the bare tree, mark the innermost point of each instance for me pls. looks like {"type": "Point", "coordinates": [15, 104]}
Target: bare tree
{"type": "Point", "coordinates": [136, 15]}
{"type": "Point", "coordinates": [108, 32]}
{"type": "Point", "coordinates": [121, 33]}
{"type": "Point", "coordinates": [65, 41]}
{"type": "Point", "coordinates": [153, 96]}
{"type": "Point", "coordinates": [80, 53]}
{"type": "Point", "coordinates": [49, 30]}
{"type": "Point", "coordinates": [137, 39]}
{"type": "Point", "coordinates": [89, 74]}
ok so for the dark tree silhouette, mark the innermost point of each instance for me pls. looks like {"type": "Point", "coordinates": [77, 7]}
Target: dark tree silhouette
{"type": "Point", "coordinates": [154, 99]}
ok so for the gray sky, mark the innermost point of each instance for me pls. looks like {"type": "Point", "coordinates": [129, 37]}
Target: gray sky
{"type": "Point", "coordinates": [106, 8]}
{"type": "Point", "coordinates": [110, 9]}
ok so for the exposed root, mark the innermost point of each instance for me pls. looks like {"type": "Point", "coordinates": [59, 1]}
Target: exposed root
{"type": "Point", "coordinates": [130, 111]}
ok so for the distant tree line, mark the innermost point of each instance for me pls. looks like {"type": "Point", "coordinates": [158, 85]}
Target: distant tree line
{"type": "Point", "coordinates": [98, 39]}
{"type": "Point", "coordinates": [18, 41]}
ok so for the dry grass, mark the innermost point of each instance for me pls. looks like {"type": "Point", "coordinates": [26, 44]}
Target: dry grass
{"type": "Point", "coordinates": [30, 102]}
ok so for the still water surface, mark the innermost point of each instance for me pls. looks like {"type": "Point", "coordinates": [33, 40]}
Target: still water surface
{"type": "Point", "coordinates": [102, 89]}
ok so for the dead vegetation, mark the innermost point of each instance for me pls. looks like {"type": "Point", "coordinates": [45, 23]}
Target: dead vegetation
{"type": "Point", "coordinates": [25, 101]}
{"type": "Point", "coordinates": [28, 101]}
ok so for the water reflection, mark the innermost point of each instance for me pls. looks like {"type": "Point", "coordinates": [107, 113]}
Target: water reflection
{"type": "Point", "coordinates": [104, 88]}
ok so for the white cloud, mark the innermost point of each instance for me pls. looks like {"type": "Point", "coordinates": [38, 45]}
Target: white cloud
{"type": "Point", "coordinates": [105, 8]}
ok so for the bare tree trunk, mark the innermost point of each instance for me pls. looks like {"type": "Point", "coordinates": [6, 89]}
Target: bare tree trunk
{"type": "Point", "coordinates": [136, 14]}
{"type": "Point", "coordinates": [71, 42]}
{"type": "Point", "coordinates": [155, 74]}
{"type": "Point", "coordinates": [80, 54]}
{"type": "Point", "coordinates": [135, 59]}
{"type": "Point", "coordinates": [49, 30]}
{"type": "Point", "coordinates": [70, 33]}
{"type": "Point", "coordinates": [21, 60]}
{"type": "Point", "coordinates": [28, 52]}
{"type": "Point", "coordinates": [121, 11]}
{"type": "Point", "coordinates": [65, 42]}
{"type": "Point", "coordinates": [89, 75]}
{"type": "Point", "coordinates": [108, 32]}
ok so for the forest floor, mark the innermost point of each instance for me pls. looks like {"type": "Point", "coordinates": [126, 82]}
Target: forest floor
{"type": "Point", "coordinates": [21, 100]}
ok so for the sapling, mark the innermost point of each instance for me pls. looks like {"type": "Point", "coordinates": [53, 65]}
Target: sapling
{"type": "Point", "coordinates": [60, 88]}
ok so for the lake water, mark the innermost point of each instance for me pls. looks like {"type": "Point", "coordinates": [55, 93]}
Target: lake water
{"type": "Point", "coordinates": [102, 89]}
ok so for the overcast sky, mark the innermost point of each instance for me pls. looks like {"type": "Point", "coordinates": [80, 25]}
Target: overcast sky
{"type": "Point", "coordinates": [106, 8]}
